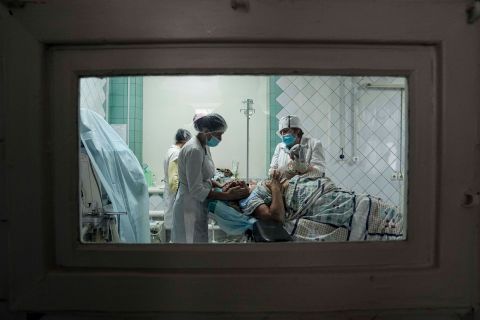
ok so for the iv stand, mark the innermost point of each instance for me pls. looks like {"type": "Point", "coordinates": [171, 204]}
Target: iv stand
{"type": "Point", "coordinates": [248, 112]}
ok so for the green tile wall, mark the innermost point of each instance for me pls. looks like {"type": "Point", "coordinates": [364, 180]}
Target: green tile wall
{"type": "Point", "coordinates": [120, 102]}
{"type": "Point", "coordinates": [275, 107]}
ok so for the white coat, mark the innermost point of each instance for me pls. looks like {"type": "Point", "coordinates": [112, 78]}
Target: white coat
{"type": "Point", "coordinates": [169, 195]}
{"type": "Point", "coordinates": [314, 155]}
{"type": "Point", "coordinates": [190, 213]}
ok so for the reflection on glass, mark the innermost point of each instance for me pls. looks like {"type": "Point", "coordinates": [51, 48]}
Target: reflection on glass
{"type": "Point", "coordinates": [340, 177]}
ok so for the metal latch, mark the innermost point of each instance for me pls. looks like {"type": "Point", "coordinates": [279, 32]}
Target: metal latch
{"type": "Point", "coordinates": [471, 199]}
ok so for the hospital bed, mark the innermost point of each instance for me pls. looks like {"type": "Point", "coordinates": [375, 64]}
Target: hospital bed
{"type": "Point", "coordinates": [317, 210]}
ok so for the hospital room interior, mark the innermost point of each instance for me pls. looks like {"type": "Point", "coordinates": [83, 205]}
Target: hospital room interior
{"type": "Point", "coordinates": [359, 120]}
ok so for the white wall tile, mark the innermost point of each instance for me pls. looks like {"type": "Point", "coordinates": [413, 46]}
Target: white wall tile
{"type": "Point", "coordinates": [333, 83]}
{"type": "Point", "coordinates": [283, 99]}
{"type": "Point", "coordinates": [291, 78]}
{"type": "Point", "coordinates": [317, 99]}
{"type": "Point", "coordinates": [302, 115]}
{"type": "Point", "coordinates": [308, 107]}
{"type": "Point", "coordinates": [292, 107]}
{"type": "Point", "coordinates": [300, 82]}
{"type": "Point", "coordinates": [316, 83]}
{"type": "Point", "coordinates": [308, 91]}
{"type": "Point", "coordinates": [291, 91]}
{"type": "Point", "coordinates": [300, 99]}
{"type": "Point", "coordinates": [283, 112]}
{"type": "Point", "coordinates": [378, 129]}
{"type": "Point", "coordinates": [283, 83]}
{"type": "Point", "coordinates": [317, 116]}
{"type": "Point", "coordinates": [325, 91]}
{"type": "Point", "coordinates": [308, 124]}
{"type": "Point", "coordinates": [333, 99]}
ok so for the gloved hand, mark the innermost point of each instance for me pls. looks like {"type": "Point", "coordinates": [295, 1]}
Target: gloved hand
{"type": "Point", "coordinates": [234, 183]}
{"type": "Point", "coordinates": [297, 153]}
{"type": "Point", "coordinates": [297, 165]}
{"type": "Point", "coordinates": [238, 192]}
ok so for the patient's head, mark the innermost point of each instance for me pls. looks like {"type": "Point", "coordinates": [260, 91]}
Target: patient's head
{"type": "Point", "coordinates": [231, 184]}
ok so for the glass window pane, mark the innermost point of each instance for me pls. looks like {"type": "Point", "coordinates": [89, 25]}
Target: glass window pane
{"type": "Point", "coordinates": [342, 177]}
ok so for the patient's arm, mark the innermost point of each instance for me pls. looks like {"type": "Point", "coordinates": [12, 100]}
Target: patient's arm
{"type": "Point", "coordinates": [263, 212]}
{"type": "Point", "coordinates": [276, 211]}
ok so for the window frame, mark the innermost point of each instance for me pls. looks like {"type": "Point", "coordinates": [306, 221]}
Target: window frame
{"type": "Point", "coordinates": [417, 63]}
{"type": "Point", "coordinates": [193, 278]}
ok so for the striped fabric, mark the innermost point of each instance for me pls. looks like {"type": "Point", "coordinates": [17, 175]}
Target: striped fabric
{"type": "Point", "coordinates": [316, 210]}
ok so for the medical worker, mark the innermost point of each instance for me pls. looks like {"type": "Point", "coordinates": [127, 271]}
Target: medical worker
{"type": "Point", "coordinates": [309, 150]}
{"type": "Point", "coordinates": [170, 169]}
{"type": "Point", "coordinates": [195, 171]}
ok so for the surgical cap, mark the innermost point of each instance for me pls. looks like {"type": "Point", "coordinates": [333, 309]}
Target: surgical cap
{"type": "Point", "coordinates": [289, 122]}
{"type": "Point", "coordinates": [209, 122]}
{"type": "Point", "coordinates": [182, 135]}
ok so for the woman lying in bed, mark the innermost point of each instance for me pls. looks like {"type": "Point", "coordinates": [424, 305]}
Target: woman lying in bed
{"type": "Point", "coordinates": [314, 209]}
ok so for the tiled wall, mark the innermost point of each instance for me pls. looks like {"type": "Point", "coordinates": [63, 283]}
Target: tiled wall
{"type": "Point", "coordinates": [344, 113]}
{"type": "Point", "coordinates": [156, 202]}
{"type": "Point", "coordinates": [126, 107]}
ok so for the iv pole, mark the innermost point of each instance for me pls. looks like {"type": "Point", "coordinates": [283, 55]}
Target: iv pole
{"type": "Point", "coordinates": [248, 112]}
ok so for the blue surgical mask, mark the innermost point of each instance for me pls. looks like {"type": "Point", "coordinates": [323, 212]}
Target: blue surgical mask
{"type": "Point", "coordinates": [213, 141]}
{"type": "Point", "coordinates": [288, 139]}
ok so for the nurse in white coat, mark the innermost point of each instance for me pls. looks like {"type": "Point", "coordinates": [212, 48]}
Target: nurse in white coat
{"type": "Point", "coordinates": [195, 171]}
{"type": "Point", "coordinates": [310, 150]}
{"type": "Point", "coordinates": [170, 169]}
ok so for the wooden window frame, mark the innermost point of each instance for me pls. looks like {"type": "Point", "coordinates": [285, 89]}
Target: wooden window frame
{"type": "Point", "coordinates": [179, 266]}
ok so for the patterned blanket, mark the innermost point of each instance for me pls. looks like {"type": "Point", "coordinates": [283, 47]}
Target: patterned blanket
{"type": "Point", "coordinates": [316, 210]}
